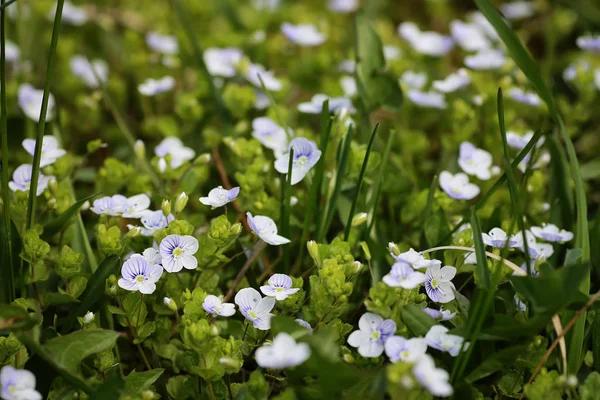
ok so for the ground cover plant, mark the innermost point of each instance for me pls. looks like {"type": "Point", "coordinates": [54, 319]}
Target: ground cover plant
{"type": "Point", "coordinates": [299, 199]}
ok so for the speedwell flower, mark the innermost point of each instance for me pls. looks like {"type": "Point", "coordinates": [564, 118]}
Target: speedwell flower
{"type": "Point", "coordinates": [524, 97]}
{"type": "Point", "coordinates": [303, 34]}
{"type": "Point", "coordinates": [50, 149]}
{"type": "Point", "coordinates": [265, 228]}
{"type": "Point", "coordinates": [458, 186]}
{"type": "Point", "coordinates": [398, 348]}
{"type": "Point", "coordinates": [173, 147]}
{"type": "Point", "coordinates": [280, 287]}
{"type": "Point", "coordinates": [71, 14]}
{"type": "Point", "coordinates": [304, 324]}
{"type": "Point", "coordinates": [315, 105]}
{"type": "Point", "coordinates": [428, 43]}
{"type": "Point", "coordinates": [139, 275]}
{"type": "Point", "coordinates": [551, 233]}
{"type": "Point", "coordinates": [17, 384]}
{"type": "Point", "coordinates": [257, 72]}
{"type": "Point", "coordinates": [269, 134]}
{"type": "Point", "coordinates": [440, 315]}
{"type": "Point", "coordinates": [485, 60]}
{"type": "Point", "coordinates": [517, 9]}
{"type": "Point", "coordinates": [30, 101]}
{"type": "Point", "coordinates": [474, 161]}
{"type": "Point", "coordinates": [427, 99]}
{"type": "Point", "coordinates": [163, 44]}
{"type": "Point", "coordinates": [519, 142]}
{"type": "Point", "coordinates": [435, 380]}
{"type": "Point", "coordinates": [306, 155]}
{"type": "Point", "coordinates": [255, 308]}
{"type": "Point", "coordinates": [438, 285]}
{"type": "Point", "coordinates": [413, 258]}
{"type": "Point", "coordinates": [453, 82]}
{"type": "Point", "coordinates": [414, 80]}
{"type": "Point", "coordinates": [589, 43]}
{"type": "Point", "coordinates": [177, 252]}
{"type": "Point", "coordinates": [342, 6]}
{"type": "Point", "coordinates": [402, 275]}
{"type": "Point", "coordinates": [469, 36]}
{"type": "Point", "coordinates": [439, 338]}
{"type": "Point", "coordinates": [152, 87]}
{"type": "Point", "coordinates": [22, 180]}
{"type": "Point", "coordinates": [372, 334]}
{"type": "Point", "coordinates": [89, 71]}
{"type": "Point", "coordinates": [151, 255]}
{"type": "Point", "coordinates": [110, 205]}
{"type": "Point", "coordinates": [218, 196]}
{"type": "Point", "coordinates": [499, 239]}
{"type": "Point", "coordinates": [284, 352]}
{"type": "Point", "coordinates": [213, 305]}
{"type": "Point", "coordinates": [154, 221]}
{"type": "Point", "coordinates": [222, 62]}
{"type": "Point", "coordinates": [136, 206]}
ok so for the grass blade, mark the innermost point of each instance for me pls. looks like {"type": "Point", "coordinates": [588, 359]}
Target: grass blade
{"type": "Point", "coordinates": [359, 183]}
{"type": "Point", "coordinates": [6, 4]}
{"type": "Point", "coordinates": [286, 190]}
{"type": "Point", "coordinates": [482, 272]}
{"type": "Point", "coordinates": [379, 184]}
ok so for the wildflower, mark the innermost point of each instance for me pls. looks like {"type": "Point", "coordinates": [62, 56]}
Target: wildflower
{"type": "Point", "coordinates": [414, 80]}
{"type": "Point", "coordinates": [71, 14]}
{"type": "Point", "coordinates": [213, 305]}
{"type": "Point", "coordinates": [528, 98]}
{"type": "Point", "coordinates": [306, 155]}
{"type": "Point", "coordinates": [110, 205]}
{"type": "Point", "coordinates": [304, 324]}
{"type": "Point", "coordinates": [532, 263]}
{"type": "Point", "coordinates": [154, 221]}
{"type": "Point", "coordinates": [438, 285]}
{"type": "Point", "coordinates": [475, 161]}
{"type": "Point", "coordinates": [551, 233]}
{"type": "Point", "coordinates": [50, 149]}
{"type": "Point", "coordinates": [136, 206]}
{"type": "Point", "coordinates": [222, 62]}
{"type": "Point", "coordinates": [428, 43]}
{"type": "Point", "coordinates": [347, 66]}
{"type": "Point", "coordinates": [485, 60]}
{"type": "Point", "coordinates": [343, 6]}
{"type": "Point", "coordinates": [517, 9]}
{"type": "Point", "coordinates": [177, 252]}
{"type": "Point", "coordinates": [269, 134]}
{"type": "Point", "coordinates": [30, 101]}
{"type": "Point", "coordinates": [218, 197]}
{"type": "Point", "coordinates": [402, 275]}
{"type": "Point", "coordinates": [427, 99]}
{"type": "Point", "coordinates": [152, 87]}
{"type": "Point", "coordinates": [597, 78]}
{"type": "Point", "coordinates": [12, 53]}
{"type": "Point", "coordinates": [280, 287]}
{"type": "Point", "coordinates": [372, 334]}
{"type": "Point", "coordinates": [88, 317]}
{"type": "Point", "coordinates": [411, 257]}
{"type": "Point", "coordinates": [439, 338]}
{"type": "Point", "coordinates": [174, 147]}
{"type": "Point", "coordinates": [139, 275]}
{"type": "Point", "coordinates": [151, 255]}
{"type": "Point", "coordinates": [303, 34]}
{"type": "Point", "coordinates": [589, 43]}
{"type": "Point", "coordinates": [539, 251]}
{"type": "Point", "coordinates": [576, 68]}
{"type": "Point", "coordinates": [265, 228]}
{"type": "Point", "coordinates": [163, 44]}
{"type": "Point", "coordinates": [266, 4]}
{"type": "Point", "coordinates": [89, 71]}
{"type": "Point", "coordinates": [391, 53]}
{"type": "Point", "coordinates": [519, 304]}
{"type": "Point", "coordinates": [284, 352]}
{"type": "Point", "coordinates": [398, 348]}
{"type": "Point", "coordinates": [435, 380]}
{"type": "Point", "coordinates": [255, 308]}
{"type": "Point", "coordinates": [348, 85]}
{"type": "Point", "coordinates": [18, 384]}
{"type": "Point", "coordinates": [257, 72]}
{"type": "Point", "coordinates": [520, 141]}
{"type": "Point", "coordinates": [458, 186]}
{"type": "Point", "coordinates": [499, 239]}
{"type": "Point", "coordinates": [481, 21]}
{"type": "Point", "coordinates": [453, 82]}
{"type": "Point", "coordinates": [315, 105]}
{"type": "Point", "coordinates": [440, 315]}
{"type": "Point", "coordinates": [22, 180]}
{"type": "Point", "coordinates": [469, 36]}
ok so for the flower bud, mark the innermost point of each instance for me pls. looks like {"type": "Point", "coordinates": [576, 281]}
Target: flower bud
{"type": "Point", "coordinates": [214, 330]}
{"type": "Point", "coordinates": [88, 317]}
{"type": "Point", "coordinates": [203, 159]}
{"type": "Point", "coordinates": [133, 232]}
{"type": "Point", "coordinates": [357, 266]}
{"type": "Point", "coordinates": [139, 149]}
{"type": "Point", "coordinates": [170, 303]}
{"type": "Point", "coordinates": [162, 164]}
{"type": "Point", "coordinates": [53, 185]}
{"type": "Point", "coordinates": [393, 248]}
{"type": "Point", "coordinates": [229, 362]}
{"type": "Point", "coordinates": [181, 202]}
{"type": "Point", "coordinates": [166, 207]}
{"type": "Point", "coordinates": [348, 358]}
{"type": "Point", "coordinates": [236, 228]}
{"type": "Point", "coordinates": [313, 250]}
{"type": "Point", "coordinates": [365, 249]}
{"type": "Point", "coordinates": [359, 219]}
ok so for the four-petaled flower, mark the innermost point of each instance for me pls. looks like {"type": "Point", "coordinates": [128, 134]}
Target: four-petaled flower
{"type": "Point", "coordinates": [164, 44]}
{"type": "Point", "coordinates": [266, 229]}
{"type": "Point", "coordinates": [429, 43]}
{"type": "Point", "coordinates": [152, 87]}
{"type": "Point", "coordinates": [499, 239]}
{"type": "Point", "coordinates": [458, 186]}
{"type": "Point", "coordinates": [92, 73]}
{"type": "Point", "coordinates": [439, 338]}
{"type": "Point", "coordinates": [222, 62]}
{"type": "Point", "coordinates": [372, 334]}
{"type": "Point", "coordinates": [280, 287]}
{"type": "Point", "coordinates": [398, 348]}
{"type": "Point", "coordinates": [271, 135]}
{"type": "Point", "coordinates": [551, 233]}
{"type": "Point", "coordinates": [486, 59]}
{"type": "Point", "coordinates": [303, 34]}
{"type": "Point", "coordinates": [404, 276]}
{"type": "Point", "coordinates": [22, 180]}
{"type": "Point", "coordinates": [453, 82]}
{"type": "Point", "coordinates": [315, 105]}
{"type": "Point", "coordinates": [427, 99]}
{"type": "Point", "coordinates": [283, 352]}
{"type": "Point", "coordinates": [139, 275]}
{"type": "Point", "coordinates": [174, 147]}
{"type": "Point", "coordinates": [213, 305]}
{"type": "Point", "coordinates": [255, 308]}
{"type": "Point", "coordinates": [136, 206]}
{"type": "Point", "coordinates": [438, 285]}
{"type": "Point", "coordinates": [154, 221]}
{"type": "Point", "coordinates": [474, 161]}
{"type": "Point", "coordinates": [306, 155]}
{"type": "Point", "coordinates": [414, 259]}
{"type": "Point", "coordinates": [30, 101]}
{"type": "Point", "coordinates": [17, 384]}
{"type": "Point", "coordinates": [434, 379]}
{"type": "Point", "coordinates": [50, 149]}
{"type": "Point", "coordinates": [177, 252]}
{"type": "Point", "coordinates": [218, 197]}
{"type": "Point", "coordinates": [524, 97]}
{"type": "Point", "coordinates": [440, 315]}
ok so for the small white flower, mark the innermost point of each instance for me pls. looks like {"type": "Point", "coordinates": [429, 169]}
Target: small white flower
{"type": "Point", "coordinates": [481, 21]}
{"type": "Point", "coordinates": [428, 43]}
{"type": "Point", "coordinates": [439, 315]}
{"type": "Point", "coordinates": [255, 308]}
{"type": "Point", "coordinates": [453, 82]}
{"type": "Point", "coordinates": [413, 258]}
{"type": "Point", "coordinates": [597, 78]}
{"type": "Point", "coordinates": [12, 53]}
{"type": "Point", "coordinates": [110, 205]}
{"type": "Point", "coordinates": [372, 334]}
{"type": "Point", "coordinates": [88, 317]}
{"type": "Point", "coordinates": [499, 239]}
{"type": "Point", "coordinates": [474, 161]}
{"type": "Point", "coordinates": [391, 52]}
{"type": "Point", "coordinates": [213, 305]}
{"type": "Point", "coordinates": [485, 60]}
{"type": "Point", "coordinates": [304, 324]}
{"type": "Point", "coordinates": [402, 275]}
{"type": "Point", "coordinates": [348, 85]}
{"type": "Point", "coordinates": [222, 62]}
{"type": "Point", "coordinates": [428, 99]}
{"type": "Point", "coordinates": [315, 105]}
{"type": "Point", "coordinates": [154, 221]}
{"type": "Point", "coordinates": [218, 197]}
{"type": "Point", "coordinates": [30, 101]}
{"type": "Point", "coordinates": [139, 275]}
{"type": "Point", "coordinates": [265, 228]}
{"type": "Point", "coordinates": [551, 233]}
{"type": "Point", "coordinates": [524, 97]}
{"type": "Point", "coordinates": [136, 206]}
{"type": "Point", "coordinates": [414, 80]}
{"type": "Point", "coordinates": [306, 156]}
{"type": "Point", "coordinates": [469, 36]}
{"type": "Point", "coordinates": [435, 380]}
{"type": "Point", "coordinates": [50, 149]}
{"type": "Point", "coordinates": [398, 348]}
{"type": "Point", "coordinates": [576, 69]}
{"type": "Point", "coordinates": [438, 285]}
{"type": "Point", "coordinates": [177, 252]}
{"type": "Point", "coordinates": [152, 87]}
{"type": "Point", "coordinates": [303, 34]}
{"type": "Point", "coordinates": [268, 78]}
{"type": "Point", "coordinates": [89, 71]}
{"type": "Point", "coordinates": [518, 9]}
{"type": "Point", "coordinates": [589, 43]}
{"type": "Point", "coordinates": [342, 6]}
{"type": "Point", "coordinates": [269, 134]}
{"type": "Point", "coordinates": [347, 66]}
{"type": "Point", "coordinates": [174, 147]}
{"type": "Point", "coordinates": [280, 287]}
{"type": "Point", "coordinates": [519, 142]}
{"type": "Point", "coordinates": [22, 180]}
{"type": "Point", "coordinates": [18, 384]}
{"type": "Point", "coordinates": [439, 338]}
{"type": "Point", "coordinates": [71, 14]}
{"type": "Point", "coordinates": [458, 186]}
{"type": "Point", "coordinates": [284, 352]}
{"type": "Point", "coordinates": [539, 251]}
{"type": "Point", "coordinates": [163, 44]}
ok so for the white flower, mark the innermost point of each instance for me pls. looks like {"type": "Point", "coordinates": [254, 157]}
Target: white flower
{"type": "Point", "coordinates": [519, 304]}
{"type": "Point", "coordinates": [518, 9]}
{"type": "Point", "coordinates": [402, 275]}
{"type": "Point", "coordinates": [428, 43]}
{"type": "Point", "coordinates": [348, 85]}
{"type": "Point", "coordinates": [136, 206]}
{"type": "Point", "coordinates": [284, 352]}
{"type": "Point", "coordinates": [50, 149]}
{"type": "Point", "coordinates": [469, 36]}
{"type": "Point", "coordinates": [151, 255]}
{"type": "Point", "coordinates": [486, 59]}
{"type": "Point", "coordinates": [177, 252]}
{"type": "Point", "coordinates": [524, 97]}
{"type": "Point", "coordinates": [89, 71]}
{"type": "Point", "coordinates": [213, 305]}
{"type": "Point", "coordinates": [71, 14]}
{"type": "Point", "coordinates": [163, 44]}
{"type": "Point", "coordinates": [453, 82]}
{"type": "Point", "coordinates": [576, 69]}
{"type": "Point", "coordinates": [222, 62]}
{"type": "Point", "coordinates": [218, 197]}
{"type": "Point", "coordinates": [475, 161]}
{"type": "Point", "coordinates": [269, 134]}
{"type": "Point", "coordinates": [268, 79]}
{"type": "Point", "coordinates": [88, 317]}
{"type": "Point", "coordinates": [481, 21]}
{"type": "Point", "coordinates": [413, 258]}
{"type": "Point", "coordinates": [303, 34]}
{"type": "Point", "coordinates": [391, 52]}
{"type": "Point", "coordinates": [22, 180]}
{"type": "Point", "coordinates": [440, 315]}
{"type": "Point", "coordinates": [304, 324]}
{"type": "Point", "coordinates": [589, 43]}
{"type": "Point", "coordinates": [266, 4]}
{"type": "Point", "coordinates": [499, 239]}
{"type": "Point", "coordinates": [435, 380]}
{"type": "Point", "coordinates": [12, 53]}
{"type": "Point", "coordinates": [255, 308]}
{"type": "Point", "coordinates": [315, 105]}
{"type": "Point", "coordinates": [347, 66]}
{"type": "Point", "coordinates": [597, 78]}
{"type": "Point", "coordinates": [520, 141]}
{"type": "Point", "coordinates": [458, 186]}
{"type": "Point", "coordinates": [414, 80]}
{"type": "Point", "coordinates": [398, 348]}
{"type": "Point", "coordinates": [174, 147]}
{"type": "Point", "coordinates": [438, 285]}
{"type": "Point", "coordinates": [265, 228]}
{"type": "Point", "coordinates": [372, 334]}
{"type": "Point", "coordinates": [342, 6]}
{"type": "Point", "coordinates": [539, 251]}
{"type": "Point", "coordinates": [280, 287]}
{"type": "Point", "coordinates": [551, 233]}
{"type": "Point", "coordinates": [152, 87]}
{"type": "Point", "coordinates": [18, 384]}
{"type": "Point", "coordinates": [30, 101]}
{"type": "Point", "coordinates": [306, 156]}
{"type": "Point", "coordinates": [427, 99]}
{"type": "Point", "coordinates": [439, 338]}
{"type": "Point", "coordinates": [154, 221]}
{"type": "Point", "coordinates": [109, 205]}
{"type": "Point", "coordinates": [139, 275]}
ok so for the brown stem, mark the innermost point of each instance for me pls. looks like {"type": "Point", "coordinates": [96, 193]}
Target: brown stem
{"type": "Point", "coordinates": [259, 246]}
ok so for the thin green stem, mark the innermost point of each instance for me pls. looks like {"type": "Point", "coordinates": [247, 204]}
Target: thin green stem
{"type": "Point", "coordinates": [6, 4]}
{"type": "Point", "coordinates": [286, 191]}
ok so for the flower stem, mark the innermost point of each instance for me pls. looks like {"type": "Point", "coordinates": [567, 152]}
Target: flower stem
{"type": "Point", "coordinates": [259, 246]}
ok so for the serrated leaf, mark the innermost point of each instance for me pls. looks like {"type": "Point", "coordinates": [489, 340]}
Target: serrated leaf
{"type": "Point", "coordinates": [60, 222]}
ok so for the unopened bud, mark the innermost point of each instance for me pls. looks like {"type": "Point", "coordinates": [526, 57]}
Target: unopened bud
{"type": "Point", "coordinates": [359, 219]}
{"type": "Point", "coordinates": [313, 250]}
{"type": "Point", "coordinates": [133, 231]}
{"type": "Point", "coordinates": [166, 208]}
{"type": "Point", "coordinates": [348, 358]}
{"type": "Point", "coordinates": [236, 228]}
{"type": "Point", "coordinates": [228, 362]}
{"type": "Point", "coordinates": [214, 330]}
{"type": "Point", "coordinates": [139, 149]}
{"type": "Point", "coordinates": [88, 317]}
{"type": "Point", "coordinates": [170, 303]}
{"type": "Point", "coordinates": [203, 159]}
{"type": "Point", "coordinates": [181, 202]}
{"type": "Point", "coordinates": [393, 248]}
{"type": "Point", "coordinates": [357, 266]}
{"type": "Point", "coordinates": [162, 165]}
{"type": "Point", "coordinates": [365, 249]}
{"type": "Point", "coordinates": [52, 185]}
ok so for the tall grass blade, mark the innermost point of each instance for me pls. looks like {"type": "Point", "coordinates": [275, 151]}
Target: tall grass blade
{"type": "Point", "coordinates": [286, 191]}
{"type": "Point", "coordinates": [374, 201]}
{"type": "Point", "coordinates": [37, 154]}
{"type": "Point", "coordinates": [482, 272]}
{"type": "Point", "coordinates": [359, 183]}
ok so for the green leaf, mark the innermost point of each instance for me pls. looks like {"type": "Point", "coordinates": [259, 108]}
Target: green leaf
{"type": "Point", "coordinates": [14, 318]}
{"type": "Point", "coordinates": [70, 350]}
{"type": "Point", "coordinates": [482, 272]}
{"type": "Point", "coordinates": [9, 260]}
{"type": "Point", "coordinates": [136, 382]}
{"type": "Point", "coordinates": [496, 362]}
{"type": "Point", "coordinates": [573, 256]}
{"type": "Point", "coordinates": [435, 226]}
{"type": "Point", "coordinates": [110, 389]}
{"type": "Point", "coordinates": [590, 170]}
{"type": "Point", "coordinates": [135, 308]}
{"type": "Point", "coordinates": [591, 387]}
{"type": "Point", "coordinates": [60, 222]}
{"type": "Point", "coordinates": [417, 321]}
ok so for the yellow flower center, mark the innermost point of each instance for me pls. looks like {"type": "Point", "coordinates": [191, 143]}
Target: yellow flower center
{"type": "Point", "coordinates": [376, 335]}
{"type": "Point", "coordinates": [279, 289]}
{"type": "Point", "coordinates": [434, 283]}
{"type": "Point", "coordinates": [253, 314]}
{"type": "Point", "coordinates": [302, 160]}
{"type": "Point", "coordinates": [140, 278]}
{"type": "Point", "coordinates": [177, 252]}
